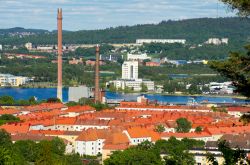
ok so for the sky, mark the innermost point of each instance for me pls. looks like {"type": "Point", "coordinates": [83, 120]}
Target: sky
{"type": "Point", "coordinates": [99, 14]}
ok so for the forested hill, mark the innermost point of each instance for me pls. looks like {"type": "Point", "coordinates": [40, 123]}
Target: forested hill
{"type": "Point", "coordinates": [193, 30]}
{"type": "Point", "coordinates": [21, 30]}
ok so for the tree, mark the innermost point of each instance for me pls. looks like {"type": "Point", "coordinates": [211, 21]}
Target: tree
{"type": "Point", "coordinates": [144, 87]}
{"type": "Point", "coordinates": [211, 159]}
{"type": "Point", "coordinates": [146, 145]}
{"type": "Point", "coordinates": [236, 68]}
{"type": "Point", "coordinates": [5, 139]}
{"type": "Point", "coordinates": [53, 100]}
{"type": "Point", "coordinates": [58, 146]}
{"type": "Point", "coordinates": [160, 128]}
{"type": "Point", "coordinates": [183, 125]}
{"type": "Point", "coordinates": [6, 118]}
{"type": "Point", "coordinates": [243, 6]}
{"type": "Point", "coordinates": [231, 156]}
{"type": "Point", "coordinates": [28, 149]}
{"type": "Point", "coordinates": [133, 156]}
{"type": "Point", "coordinates": [245, 118]}
{"type": "Point", "coordinates": [8, 100]}
{"type": "Point", "coordinates": [198, 129]}
{"type": "Point", "coordinates": [177, 152]}
{"type": "Point", "coordinates": [71, 103]}
{"type": "Point", "coordinates": [45, 154]}
{"type": "Point", "coordinates": [193, 89]}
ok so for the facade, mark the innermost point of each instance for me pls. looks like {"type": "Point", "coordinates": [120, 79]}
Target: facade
{"type": "Point", "coordinates": [130, 70]}
{"type": "Point", "coordinates": [11, 80]}
{"type": "Point", "coordinates": [75, 61]}
{"type": "Point", "coordinates": [164, 41]}
{"type": "Point", "coordinates": [93, 61]}
{"type": "Point", "coordinates": [111, 57]}
{"type": "Point", "coordinates": [75, 93]}
{"type": "Point", "coordinates": [217, 41]}
{"type": "Point", "coordinates": [138, 57]}
{"type": "Point", "coordinates": [152, 64]}
{"type": "Point", "coordinates": [135, 85]}
{"type": "Point", "coordinates": [1, 47]}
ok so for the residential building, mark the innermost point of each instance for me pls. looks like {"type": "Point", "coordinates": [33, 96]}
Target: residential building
{"type": "Point", "coordinates": [130, 70]}
{"type": "Point", "coordinates": [138, 57]}
{"type": "Point", "coordinates": [164, 41]}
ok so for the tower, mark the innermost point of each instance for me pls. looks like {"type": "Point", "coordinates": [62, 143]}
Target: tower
{"type": "Point", "coordinates": [130, 70]}
{"type": "Point", "coordinates": [59, 56]}
{"type": "Point", "coordinates": [97, 63]}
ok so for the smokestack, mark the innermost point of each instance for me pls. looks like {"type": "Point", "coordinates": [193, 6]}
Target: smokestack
{"type": "Point", "coordinates": [59, 57]}
{"type": "Point", "coordinates": [97, 63]}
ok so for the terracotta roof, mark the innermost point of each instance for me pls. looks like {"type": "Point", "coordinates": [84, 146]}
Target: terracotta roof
{"type": "Point", "coordinates": [16, 128]}
{"type": "Point", "coordinates": [115, 147]}
{"type": "Point", "coordinates": [79, 109]}
{"type": "Point", "coordinates": [185, 135]}
{"type": "Point", "coordinates": [65, 120]}
{"type": "Point", "coordinates": [9, 111]}
{"type": "Point", "coordinates": [28, 136]}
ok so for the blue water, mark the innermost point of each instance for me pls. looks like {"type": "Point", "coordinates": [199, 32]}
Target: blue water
{"type": "Point", "coordinates": [45, 93]}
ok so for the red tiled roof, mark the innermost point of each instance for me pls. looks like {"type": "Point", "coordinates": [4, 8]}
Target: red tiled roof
{"type": "Point", "coordinates": [16, 128]}
{"type": "Point", "coordinates": [79, 108]}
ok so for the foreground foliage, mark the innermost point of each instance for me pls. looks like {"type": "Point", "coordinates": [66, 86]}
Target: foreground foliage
{"type": "Point", "coordinates": [29, 152]}
{"type": "Point", "coordinates": [174, 152]}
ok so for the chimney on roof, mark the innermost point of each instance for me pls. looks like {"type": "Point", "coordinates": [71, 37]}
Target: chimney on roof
{"type": "Point", "coordinates": [97, 63]}
{"type": "Point", "coordinates": [59, 56]}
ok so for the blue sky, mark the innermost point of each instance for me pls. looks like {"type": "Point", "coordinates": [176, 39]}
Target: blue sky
{"type": "Point", "coordinates": [99, 14]}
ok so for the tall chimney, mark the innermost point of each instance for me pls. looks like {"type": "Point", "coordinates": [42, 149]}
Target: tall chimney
{"type": "Point", "coordinates": [97, 63]}
{"type": "Point", "coordinates": [59, 57]}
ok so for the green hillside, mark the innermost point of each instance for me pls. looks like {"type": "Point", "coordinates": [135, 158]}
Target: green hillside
{"type": "Point", "coordinates": [193, 30]}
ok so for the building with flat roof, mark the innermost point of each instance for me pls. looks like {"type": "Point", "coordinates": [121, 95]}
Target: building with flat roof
{"type": "Point", "coordinates": [75, 93]}
{"type": "Point", "coordinates": [164, 41]}
{"type": "Point", "coordinates": [138, 57]}
{"type": "Point", "coordinates": [11, 80]}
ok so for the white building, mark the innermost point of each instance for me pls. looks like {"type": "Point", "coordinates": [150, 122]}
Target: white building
{"type": "Point", "coordinates": [217, 41]}
{"type": "Point", "coordinates": [11, 80]}
{"type": "Point", "coordinates": [28, 46]}
{"type": "Point", "coordinates": [224, 40]}
{"type": "Point", "coordinates": [130, 70]}
{"type": "Point", "coordinates": [135, 85]}
{"type": "Point", "coordinates": [164, 41]}
{"type": "Point", "coordinates": [75, 93]}
{"type": "Point", "coordinates": [130, 78]}
{"type": "Point", "coordinates": [1, 47]}
{"type": "Point", "coordinates": [90, 142]}
{"type": "Point", "coordinates": [139, 57]}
